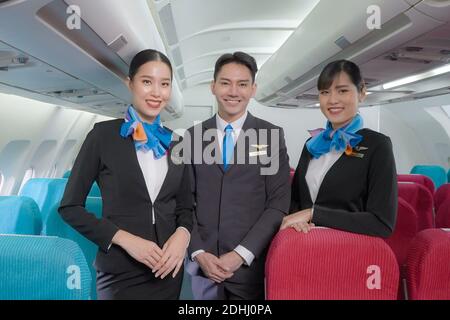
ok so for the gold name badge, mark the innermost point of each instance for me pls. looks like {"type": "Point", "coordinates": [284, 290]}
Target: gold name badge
{"type": "Point", "coordinates": [257, 153]}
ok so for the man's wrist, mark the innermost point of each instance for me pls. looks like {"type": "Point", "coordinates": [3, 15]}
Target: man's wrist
{"type": "Point", "coordinates": [241, 259]}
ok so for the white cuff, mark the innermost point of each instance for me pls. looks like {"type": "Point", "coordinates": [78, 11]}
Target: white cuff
{"type": "Point", "coordinates": [196, 253]}
{"type": "Point", "coordinates": [188, 233]}
{"type": "Point", "coordinates": [246, 254]}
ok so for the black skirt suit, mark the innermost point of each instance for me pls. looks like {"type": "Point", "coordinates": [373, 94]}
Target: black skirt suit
{"type": "Point", "coordinates": [358, 193]}
{"type": "Point", "coordinates": [111, 160]}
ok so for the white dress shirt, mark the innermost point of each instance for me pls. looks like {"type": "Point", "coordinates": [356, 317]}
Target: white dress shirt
{"type": "Point", "coordinates": [154, 172]}
{"type": "Point", "coordinates": [246, 254]}
{"type": "Point", "coordinates": [317, 169]}
{"type": "Point", "coordinates": [237, 127]}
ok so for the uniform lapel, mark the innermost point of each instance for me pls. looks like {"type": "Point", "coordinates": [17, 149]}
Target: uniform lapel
{"type": "Point", "coordinates": [303, 165]}
{"type": "Point", "coordinates": [249, 123]}
{"type": "Point", "coordinates": [170, 170]}
{"type": "Point", "coordinates": [208, 125]}
{"type": "Point", "coordinates": [135, 168]}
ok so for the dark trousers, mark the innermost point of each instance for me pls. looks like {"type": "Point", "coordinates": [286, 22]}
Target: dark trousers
{"type": "Point", "coordinates": [206, 289]}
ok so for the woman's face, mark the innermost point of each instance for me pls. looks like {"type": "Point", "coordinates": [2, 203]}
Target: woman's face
{"type": "Point", "coordinates": [339, 103]}
{"type": "Point", "coordinates": [151, 87]}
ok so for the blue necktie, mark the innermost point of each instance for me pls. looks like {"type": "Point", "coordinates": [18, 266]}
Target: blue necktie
{"type": "Point", "coordinates": [228, 146]}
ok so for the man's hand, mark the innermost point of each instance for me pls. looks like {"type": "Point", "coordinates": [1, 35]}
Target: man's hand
{"type": "Point", "coordinates": [231, 261]}
{"type": "Point", "coordinates": [211, 267]}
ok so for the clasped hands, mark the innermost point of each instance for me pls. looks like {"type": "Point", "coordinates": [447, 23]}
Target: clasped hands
{"type": "Point", "coordinates": [219, 269]}
{"type": "Point", "coordinates": [300, 221]}
{"type": "Point", "coordinates": [161, 261]}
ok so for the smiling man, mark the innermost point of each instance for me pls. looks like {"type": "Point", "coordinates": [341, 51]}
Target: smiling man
{"type": "Point", "coordinates": [238, 207]}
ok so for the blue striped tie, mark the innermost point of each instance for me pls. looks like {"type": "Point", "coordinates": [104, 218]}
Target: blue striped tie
{"type": "Point", "coordinates": [228, 146]}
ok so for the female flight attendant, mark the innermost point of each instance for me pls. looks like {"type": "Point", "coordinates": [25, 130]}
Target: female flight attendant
{"type": "Point", "coordinates": [147, 205]}
{"type": "Point", "coordinates": [346, 176]}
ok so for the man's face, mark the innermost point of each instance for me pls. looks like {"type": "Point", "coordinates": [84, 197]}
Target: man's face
{"type": "Point", "coordinates": [233, 89]}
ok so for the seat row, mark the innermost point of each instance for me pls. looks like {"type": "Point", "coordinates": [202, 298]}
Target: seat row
{"type": "Point", "coordinates": [34, 212]}
{"type": "Point", "coordinates": [43, 268]}
{"type": "Point", "coordinates": [437, 174]}
{"type": "Point", "coordinates": [333, 264]}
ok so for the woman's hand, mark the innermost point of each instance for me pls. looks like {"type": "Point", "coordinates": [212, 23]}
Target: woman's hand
{"type": "Point", "coordinates": [174, 251]}
{"type": "Point", "coordinates": [142, 250]}
{"type": "Point", "coordinates": [300, 221]}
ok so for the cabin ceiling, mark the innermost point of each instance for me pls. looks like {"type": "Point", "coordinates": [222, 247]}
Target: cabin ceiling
{"type": "Point", "coordinates": [194, 34]}
{"type": "Point", "coordinates": [197, 32]}
{"type": "Point", "coordinates": [426, 52]}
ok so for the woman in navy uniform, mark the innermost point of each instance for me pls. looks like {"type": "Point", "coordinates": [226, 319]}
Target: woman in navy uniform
{"type": "Point", "coordinates": [346, 176]}
{"type": "Point", "coordinates": [147, 204]}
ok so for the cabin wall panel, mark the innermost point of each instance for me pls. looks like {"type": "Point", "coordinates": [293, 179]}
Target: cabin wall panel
{"type": "Point", "coordinates": [38, 122]}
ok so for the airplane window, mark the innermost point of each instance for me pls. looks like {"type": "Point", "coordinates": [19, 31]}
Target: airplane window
{"type": "Point", "coordinates": [29, 174]}
{"type": "Point", "coordinates": [44, 155]}
{"type": "Point", "coordinates": [64, 158]}
{"type": "Point", "coordinates": [53, 172]}
{"type": "Point", "coordinates": [2, 178]}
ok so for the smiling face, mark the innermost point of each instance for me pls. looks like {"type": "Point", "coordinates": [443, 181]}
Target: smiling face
{"type": "Point", "coordinates": [151, 88]}
{"type": "Point", "coordinates": [233, 88]}
{"type": "Point", "coordinates": [339, 103]}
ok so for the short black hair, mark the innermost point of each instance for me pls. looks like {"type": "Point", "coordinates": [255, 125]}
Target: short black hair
{"type": "Point", "coordinates": [334, 68]}
{"type": "Point", "coordinates": [239, 58]}
{"type": "Point", "coordinates": [146, 56]}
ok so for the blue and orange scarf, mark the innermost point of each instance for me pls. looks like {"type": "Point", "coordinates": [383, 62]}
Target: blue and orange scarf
{"type": "Point", "coordinates": [147, 136]}
{"type": "Point", "coordinates": [341, 139]}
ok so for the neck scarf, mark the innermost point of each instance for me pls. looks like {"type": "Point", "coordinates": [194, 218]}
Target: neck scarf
{"type": "Point", "coordinates": [146, 136]}
{"type": "Point", "coordinates": [341, 139]}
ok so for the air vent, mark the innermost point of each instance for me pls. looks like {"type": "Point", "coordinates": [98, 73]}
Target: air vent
{"type": "Point", "coordinates": [9, 59]}
{"type": "Point", "coordinates": [371, 82]}
{"type": "Point", "coordinates": [342, 43]}
{"type": "Point", "coordinates": [78, 93]}
{"type": "Point", "coordinates": [422, 57]}
{"type": "Point", "coordinates": [118, 43]}
{"type": "Point", "coordinates": [397, 56]}
{"type": "Point", "coordinates": [269, 98]}
{"type": "Point", "coordinates": [413, 49]}
{"type": "Point", "coordinates": [307, 96]}
{"type": "Point", "coordinates": [286, 106]}
{"type": "Point", "coordinates": [170, 31]}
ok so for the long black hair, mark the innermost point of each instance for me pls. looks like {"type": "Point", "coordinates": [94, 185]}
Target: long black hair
{"type": "Point", "coordinates": [146, 56]}
{"type": "Point", "coordinates": [334, 68]}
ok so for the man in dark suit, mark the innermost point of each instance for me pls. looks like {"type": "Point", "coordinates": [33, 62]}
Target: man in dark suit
{"type": "Point", "coordinates": [241, 175]}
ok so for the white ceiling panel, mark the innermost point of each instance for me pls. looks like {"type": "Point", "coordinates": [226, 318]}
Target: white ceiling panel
{"type": "Point", "coordinates": [198, 32]}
